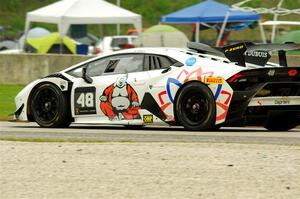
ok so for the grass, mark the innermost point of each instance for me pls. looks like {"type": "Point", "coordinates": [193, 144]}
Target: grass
{"type": "Point", "coordinates": [7, 104]}
{"type": "Point", "coordinates": [13, 14]}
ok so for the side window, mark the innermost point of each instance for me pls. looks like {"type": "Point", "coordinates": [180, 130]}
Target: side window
{"type": "Point", "coordinates": [165, 62]}
{"type": "Point", "coordinates": [96, 68]}
{"type": "Point", "coordinates": [122, 64]}
{"type": "Point", "coordinates": [77, 72]}
{"type": "Point", "coordinates": [154, 62]}
{"type": "Point", "coordinates": [147, 63]}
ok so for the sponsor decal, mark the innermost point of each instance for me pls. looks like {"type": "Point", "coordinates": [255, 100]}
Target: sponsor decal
{"type": "Point", "coordinates": [85, 101]}
{"type": "Point", "coordinates": [258, 57]}
{"type": "Point", "coordinates": [271, 72]}
{"type": "Point", "coordinates": [190, 61]}
{"type": "Point", "coordinates": [263, 54]}
{"type": "Point", "coordinates": [282, 101]}
{"type": "Point", "coordinates": [235, 53]}
{"type": "Point", "coordinates": [214, 80]}
{"type": "Point", "coordinates": [235, 48]}
{"type": "Point", "coordinates": [119, 101]}
{"type": "Point", "coordinates": [148, 118]}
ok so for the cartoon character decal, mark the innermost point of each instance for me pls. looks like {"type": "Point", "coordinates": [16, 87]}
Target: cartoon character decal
{"type": "Point", "coordinates": [119, 101]}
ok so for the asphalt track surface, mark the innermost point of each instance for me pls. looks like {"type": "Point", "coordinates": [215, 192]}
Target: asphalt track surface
{"type": "Point", "coordinates": [97, 133]}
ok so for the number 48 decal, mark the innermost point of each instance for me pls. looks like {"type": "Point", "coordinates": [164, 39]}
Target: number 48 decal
{"type": "Point", "coordinates": [84, 101]}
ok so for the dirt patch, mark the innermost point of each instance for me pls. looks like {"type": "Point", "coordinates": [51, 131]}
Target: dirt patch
{"type": "Point", "coordinates": [148, 170]}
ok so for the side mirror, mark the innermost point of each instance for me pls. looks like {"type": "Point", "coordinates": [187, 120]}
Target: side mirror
{"type": "Point", "coordinates": [86, 78]}
{"type": "Point", "coordinates": [166, 70]}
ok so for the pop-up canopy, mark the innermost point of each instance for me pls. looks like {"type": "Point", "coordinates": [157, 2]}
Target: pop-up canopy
{"type": "Point", "coordinates": [67, 12]}
{"type": "Point", "coordinates": [208, 12]}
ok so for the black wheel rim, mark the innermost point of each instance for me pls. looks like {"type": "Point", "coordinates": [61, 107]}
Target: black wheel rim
{"type": "Point", "coordinates": [195, 108]}
{"type": "Point", "coordinates": [45, 105]}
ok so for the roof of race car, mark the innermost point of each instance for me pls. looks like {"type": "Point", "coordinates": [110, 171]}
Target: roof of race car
{"type": "Point", "coordinates": [185, 53]}
{"type": "Point", "coordinates": [153, 50]}
{"type": "Point", "coordinates": [180, 54]}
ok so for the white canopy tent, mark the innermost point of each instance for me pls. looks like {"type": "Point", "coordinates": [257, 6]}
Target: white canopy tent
{"type": "Point", "coordinates": [67, 12]}
{"type": "Point", "coordinates": [290, 23]}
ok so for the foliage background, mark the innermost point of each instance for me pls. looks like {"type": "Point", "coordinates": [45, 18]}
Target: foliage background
{"type": "Point", "coordinates": [13, 14]}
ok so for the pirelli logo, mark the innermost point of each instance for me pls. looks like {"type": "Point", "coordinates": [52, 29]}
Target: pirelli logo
{"type": "Point", "coordinates": [234, 48]}
{"type": "Point", "coordinates": [214, 80]}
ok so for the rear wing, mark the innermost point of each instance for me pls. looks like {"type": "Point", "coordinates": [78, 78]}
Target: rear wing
{"type": "Point", "coordinates": [247, 52]}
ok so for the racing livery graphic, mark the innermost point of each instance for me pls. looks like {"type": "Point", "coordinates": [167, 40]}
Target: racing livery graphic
{"type": "Point", "coordinates": [119, 101]}
{"type": "Point", "coordinates": [200, 88]}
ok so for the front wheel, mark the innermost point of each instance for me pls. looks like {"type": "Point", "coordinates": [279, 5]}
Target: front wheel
{"type": "Point", "coordinates": [50, 107]}
{"type": "Point", "coordinates": [196, 107]}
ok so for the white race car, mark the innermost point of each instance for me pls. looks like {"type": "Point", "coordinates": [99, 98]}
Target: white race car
{"type": "Point", "coordinates": [200, 88]}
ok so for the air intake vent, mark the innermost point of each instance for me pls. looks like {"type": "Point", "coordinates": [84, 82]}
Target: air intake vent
{"type": "Point", "coordinates": [58, 75]}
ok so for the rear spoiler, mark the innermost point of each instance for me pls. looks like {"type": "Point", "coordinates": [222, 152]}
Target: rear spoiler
{"type": "Point", "coordinates": [247, 52]}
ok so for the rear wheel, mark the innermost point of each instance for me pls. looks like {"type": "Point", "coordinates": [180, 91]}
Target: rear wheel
{"type": "Point", "coordinates": [196, 108]}
{"type": "Point", "coordinates": [50, 107]}
{"type": "Point", "coordinates": [282, 121]}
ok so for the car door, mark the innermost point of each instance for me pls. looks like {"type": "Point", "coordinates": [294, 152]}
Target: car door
{"type": "Point", "coordinates": [158, 66]}
{"type": "Point", "coordinates": [84, 95]}
{"type": "Point", "coordinates": [115, 93]}
{"type": "Point", "coordinates": [159, 69]}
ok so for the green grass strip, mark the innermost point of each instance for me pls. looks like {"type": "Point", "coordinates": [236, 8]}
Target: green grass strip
{"type": "Point", "coordinates": [7, 103]}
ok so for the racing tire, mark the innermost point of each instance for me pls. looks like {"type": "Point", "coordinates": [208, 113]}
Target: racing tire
{"type": "Point", "coordinates": [196, 107]}
{"type": "Point", "coordinates": [283, 121]}
{"type": "Point", "coordinates": [50, 107]}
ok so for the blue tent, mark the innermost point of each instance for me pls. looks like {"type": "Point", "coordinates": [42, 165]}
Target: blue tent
{"type": "Point", "coordinates": [208, 11]}
{"type": "Point", "coordinates": [211, 12]}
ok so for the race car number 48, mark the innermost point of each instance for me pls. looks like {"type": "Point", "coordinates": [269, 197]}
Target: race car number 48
{"type": "Point", "coordinates": [85, 101]}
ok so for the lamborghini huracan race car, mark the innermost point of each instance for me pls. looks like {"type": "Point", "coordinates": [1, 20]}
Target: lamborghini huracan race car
{"type": "Point", "coordinates": [199, 88]}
